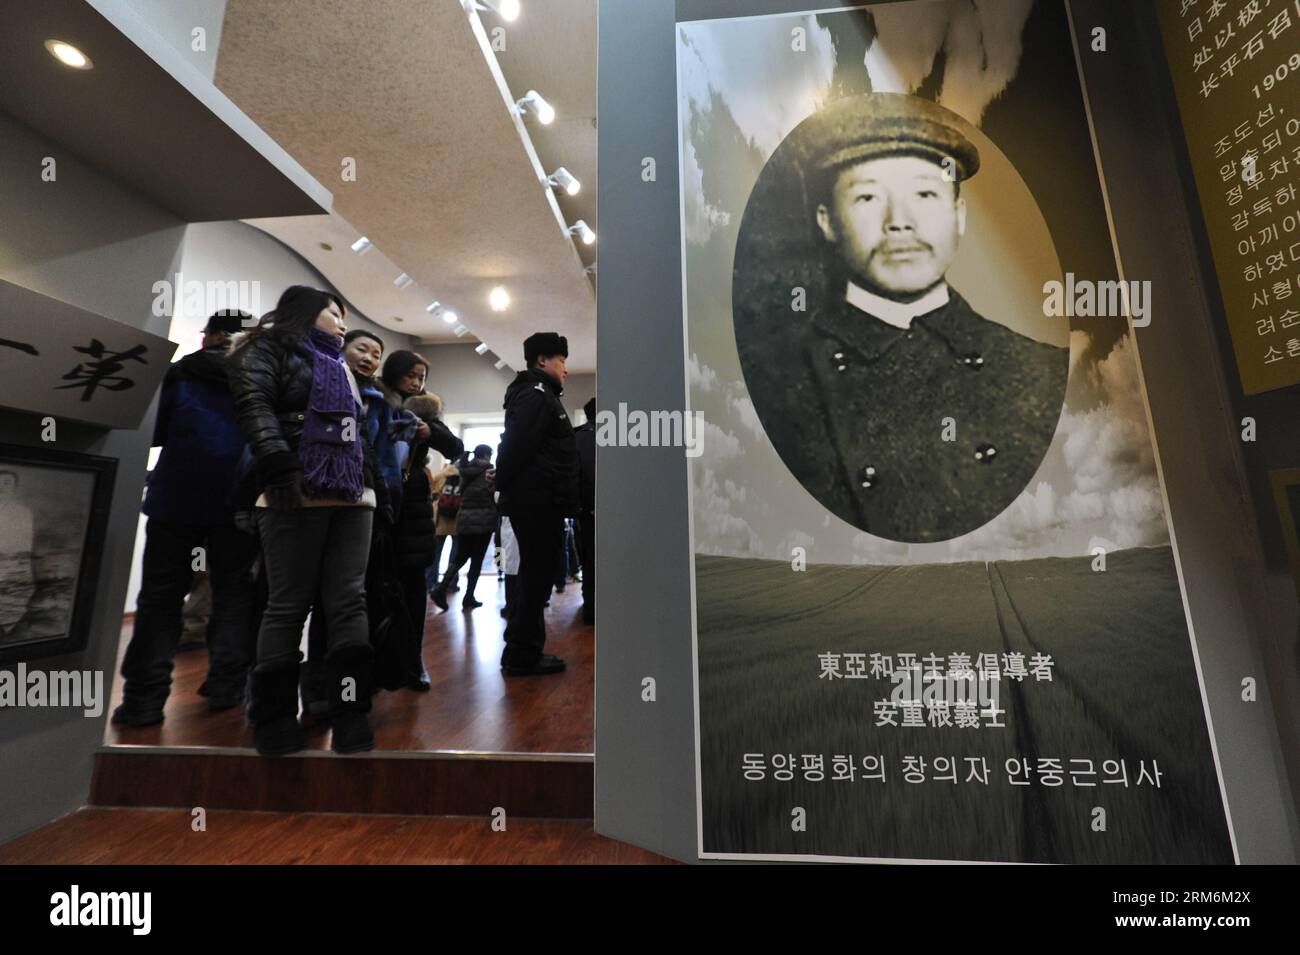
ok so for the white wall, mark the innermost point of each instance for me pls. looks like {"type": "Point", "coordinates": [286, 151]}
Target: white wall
{"type": "Point", "coordinates": [175, 21]}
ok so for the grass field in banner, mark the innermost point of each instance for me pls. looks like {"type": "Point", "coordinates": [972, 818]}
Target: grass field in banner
{"type": "Point", "coordinates": [1124, 686]}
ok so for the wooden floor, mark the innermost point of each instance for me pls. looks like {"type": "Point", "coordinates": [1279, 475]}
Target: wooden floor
{"type": "Point", "coordinates": [165, 836]}
{"type": "Point", "coordinates": [471, 706]}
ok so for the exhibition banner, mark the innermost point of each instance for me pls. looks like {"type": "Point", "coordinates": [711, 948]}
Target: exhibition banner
{"type": "Point", "coordinates": [1236, 75]}
{"type": "Point", "coordinates": [938, 614]}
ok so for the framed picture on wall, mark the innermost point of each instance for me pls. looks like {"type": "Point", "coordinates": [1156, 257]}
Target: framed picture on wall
{"type": "Point", "coordinates": [1286, 494]}
{"type": "Point", "coordinates": [54, 509]}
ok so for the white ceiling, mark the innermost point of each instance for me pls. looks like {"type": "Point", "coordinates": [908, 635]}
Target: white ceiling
{"type": "Point", "coordinates": [445, 187]}
{"type": "Point", "coordinates": [144, 114]}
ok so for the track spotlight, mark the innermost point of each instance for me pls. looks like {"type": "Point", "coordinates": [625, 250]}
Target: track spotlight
{"type": "Point", "coordinates": [500, 363]}
{"type": "Point", "coordinates": [481, 348]}
{"type": "Point", "coordinates": [532, 102]}
{"type": "Point", "coordinates": [433, 307]}
{"type": "Point", "coordinates": [460, 331]}
{"type": "Point", "coordinates": [563, 179]}
{"type": "Point", "coordinates": [361, 245]}
{"type": "Point", "coordinates": [583, 231]}
{"type": "Point", "coordinates": [403, 280]}
{"type": "Point", "coordinates": [507, 10]}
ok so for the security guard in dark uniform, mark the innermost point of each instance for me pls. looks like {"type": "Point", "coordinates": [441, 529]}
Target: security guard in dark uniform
{"type": "Point", "coordinates": [904, 411]}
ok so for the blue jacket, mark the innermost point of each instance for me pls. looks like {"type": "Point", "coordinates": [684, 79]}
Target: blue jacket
{"type": "Point", "coordinates": [386, 428]}
{"type": "Point", "coordinates": [201, 443]}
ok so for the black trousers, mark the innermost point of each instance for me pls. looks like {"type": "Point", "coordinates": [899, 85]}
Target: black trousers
{"type": "Point", "coordinates": [540, 535]}
{"type": "Point", "coordinates": [311, 553]}
{"type": "Point", "coordinates": [472, 548]}
{"type": "Point", "coordinates": [417, 602]}
{"type": "Point", "coordinates": [587, 552]}
{"type": "Point", "coordinates": [168, 569]}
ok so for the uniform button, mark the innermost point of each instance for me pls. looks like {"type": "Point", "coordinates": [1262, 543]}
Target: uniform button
{"type": "Point", "coordinates": [985, 453]}
{"type": "Point", "coordinates": [868, 476]}
{"type": "Point", "coordinates": [973, 361]}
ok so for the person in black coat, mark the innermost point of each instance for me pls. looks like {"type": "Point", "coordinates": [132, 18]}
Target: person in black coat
{"type": "Point", "coordinates": [315, 495]}
{"type": "Point", "coordinates": [537, 474]}
{"type": "Point", "coordinates": [585, 438]}
{"type": "Point", "coordinates": [476, 522]}
{"type": "Point", "coordinates": [188, 503]}
{"type": "Point", "coordinates": [414, 531]}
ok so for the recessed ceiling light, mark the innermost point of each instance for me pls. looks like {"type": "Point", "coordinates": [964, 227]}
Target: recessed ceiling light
{"type": "Point", "coordinates": [68, 55]}
{"type": "Point", "coordinates": [450, 317]}
{"type": "Point", "coordinates": [499, 299]}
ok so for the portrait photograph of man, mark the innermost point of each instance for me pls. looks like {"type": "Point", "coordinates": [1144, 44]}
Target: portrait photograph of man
{"type": "Point", "coordinates": [897, 405]}
{"type": "Point", "coordinates": [907, 461]}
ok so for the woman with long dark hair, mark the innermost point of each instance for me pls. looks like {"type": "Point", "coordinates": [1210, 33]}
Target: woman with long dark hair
{"type": "Point", "coordinates": [300, 409]}
{"type": "Point", "coordinates": [404, 377]}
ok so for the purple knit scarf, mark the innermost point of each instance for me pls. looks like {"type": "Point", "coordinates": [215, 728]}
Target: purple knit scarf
{"type": "Point", "coordinates": [330, 449]}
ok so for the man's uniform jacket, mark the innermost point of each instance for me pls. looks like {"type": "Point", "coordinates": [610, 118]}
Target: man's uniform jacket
{"type": "Point", "coordinates": [860, 421]}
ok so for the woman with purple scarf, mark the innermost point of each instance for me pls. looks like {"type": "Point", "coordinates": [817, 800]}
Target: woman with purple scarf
{"type": "Point", "coordinates": [300, 409]}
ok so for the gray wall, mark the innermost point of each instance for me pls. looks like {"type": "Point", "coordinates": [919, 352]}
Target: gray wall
{"type": "Point", "coordinates": [88, 241]}
{"type": "Point", "coordinates": [469, 384]}
{"type": "Point", "coordinates": [645, 767]}
{"type": "Point", "coordinates": [645, 752]}
{"type": "Point", "coordinates": [1243, 615]}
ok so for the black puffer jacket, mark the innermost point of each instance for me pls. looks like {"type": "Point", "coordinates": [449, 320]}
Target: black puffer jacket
{"type": "Point", "coordinates": [537, 466]}
{"type": "Point", "coordinates": [271, 384]}
{"type": "Point", "coordinates": [478, 506]}
{"type": "Point", "coordinates": [585, 438]}
{"type": "Point", "coordinates": [413, 534]}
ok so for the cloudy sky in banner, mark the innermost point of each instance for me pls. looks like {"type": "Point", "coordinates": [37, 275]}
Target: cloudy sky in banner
{"type": "Point", "coordinates": [741, 91]}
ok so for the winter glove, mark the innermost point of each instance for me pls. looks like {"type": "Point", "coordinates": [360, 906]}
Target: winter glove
{"type": "Point", "coordinates": [278, 467]}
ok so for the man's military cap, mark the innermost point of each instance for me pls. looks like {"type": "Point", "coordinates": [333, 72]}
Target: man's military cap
{"type": "Point", "coordinates": [875, 125]}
